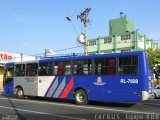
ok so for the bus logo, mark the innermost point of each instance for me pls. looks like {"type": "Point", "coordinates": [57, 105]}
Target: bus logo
{"type": "Point", "coordinates": [99, 81]}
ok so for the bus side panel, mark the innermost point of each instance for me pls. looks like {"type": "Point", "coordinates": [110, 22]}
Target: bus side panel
{"type": "Point", "coordinates": [57, 87]}
{"type": "Point", "coordinates": [28, 84]}
{"type": "Point", "coordinates": [8, 88]}
{"type": "Point", "coordinates": [44, 85]}
{"type": "Point", "coordinates": [108, 88]}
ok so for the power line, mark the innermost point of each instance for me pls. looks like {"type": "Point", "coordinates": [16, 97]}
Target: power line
{"type": "Point", "coordinates": [67, 48]}
{"type": "Point", "coordinates": [125, 42]}
{"type": "Point", "coordinates": [54, 51]}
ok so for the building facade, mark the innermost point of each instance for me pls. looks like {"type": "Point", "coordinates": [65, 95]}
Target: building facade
{"type": "Point", "coordinates": [122, 38]}
{"type": "Point", "coordinates": [11, 57]}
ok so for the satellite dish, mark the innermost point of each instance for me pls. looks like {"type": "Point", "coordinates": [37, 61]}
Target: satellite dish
{"type": "Point", "coordinates": [81, 38]}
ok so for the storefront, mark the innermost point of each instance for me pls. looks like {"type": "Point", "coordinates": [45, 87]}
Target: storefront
{"type": "Point", "coordinates": [10, 57]}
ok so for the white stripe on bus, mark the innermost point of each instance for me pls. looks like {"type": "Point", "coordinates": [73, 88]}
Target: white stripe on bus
{"type": "Point", "coordinates": [60, 88]}
{"type": "Point", "coordinates": [53, 88]}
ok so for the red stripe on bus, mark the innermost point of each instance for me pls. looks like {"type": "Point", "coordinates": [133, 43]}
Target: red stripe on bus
{"type": "Point", "coordinates": [67, 89]}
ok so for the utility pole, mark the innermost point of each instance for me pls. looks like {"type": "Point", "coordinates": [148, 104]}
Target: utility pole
{"type": "Point", "coordinates": [83, 16]}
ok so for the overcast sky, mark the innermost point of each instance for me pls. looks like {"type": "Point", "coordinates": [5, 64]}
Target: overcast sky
{"type": "Point", "coordinates": [31, 26]}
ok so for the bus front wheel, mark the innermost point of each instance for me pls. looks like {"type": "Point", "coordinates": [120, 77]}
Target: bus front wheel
{"type": "Point", "coordinates": [19, 93]}
{"type": "Point", "coordinates": [80, 97]}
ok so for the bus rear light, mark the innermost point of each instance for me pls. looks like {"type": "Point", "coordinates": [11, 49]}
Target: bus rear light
{"type": "Point", "coordinates": [138, 94]}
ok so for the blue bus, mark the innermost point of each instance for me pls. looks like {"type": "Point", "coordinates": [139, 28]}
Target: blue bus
{"type": "Point", "coordinates": [116, 77]}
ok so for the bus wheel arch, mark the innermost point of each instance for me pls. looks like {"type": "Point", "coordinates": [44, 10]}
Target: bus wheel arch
{"type": "Point", "coordinates": [80, 96]}
{"type": "Point", "coordinates": [19, 92]}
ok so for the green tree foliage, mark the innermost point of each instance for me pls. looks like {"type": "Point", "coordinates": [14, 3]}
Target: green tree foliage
{"type": "Point", "coordinates": [153, 57]}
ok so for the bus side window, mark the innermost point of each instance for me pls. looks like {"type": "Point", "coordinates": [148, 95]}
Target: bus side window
{"type": "Point", "coordinates": [82, 67]}
{"type": "Point", "coordinates": [105, 66]}
{"type": "Point", "coordinates": [128, 65]}
{"type": "Point", "coordinates": [19, 70]}
{"type": "Point", "coordinates": [58, 68]}
{"type": "Point", "coordinates": [32, 69]}
{"type": "Point", "coordinates": [111, 66]}
{"type": "Point", "coordinates": [87, 67]}
{"type": "Point", "coordinates": [45, 69]}
{"type": "Point", "coordinates": [67, 68]}
{"type": "Point", "coordinates": [55, 68]}
{"type": "Point", "coordinates": [62, 68]}
{"type": "Point", "coordinates": [98, 66]}
{"type": "Point", "coordinates": [76, 70]}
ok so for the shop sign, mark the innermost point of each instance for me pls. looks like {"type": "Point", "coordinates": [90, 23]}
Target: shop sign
{"type": "Point", "coordinates": [5, 56]}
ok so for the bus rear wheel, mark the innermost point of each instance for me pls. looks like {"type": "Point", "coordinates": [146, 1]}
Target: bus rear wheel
{"type": "Point", "coordinates": [80, 97]}
{"type": "Point", "coordinates": [20, 93]}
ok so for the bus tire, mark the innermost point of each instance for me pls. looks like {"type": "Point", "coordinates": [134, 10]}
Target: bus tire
{"type": "Point", "coordinates": [80, 97]}
{"type": "Point", "coordinates": [20, 93]}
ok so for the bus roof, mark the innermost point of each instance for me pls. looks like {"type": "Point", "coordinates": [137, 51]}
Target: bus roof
{"type": "Point", "coordinates": [91, 56]}
{"type": "Point", "coordinates": [76, 57]}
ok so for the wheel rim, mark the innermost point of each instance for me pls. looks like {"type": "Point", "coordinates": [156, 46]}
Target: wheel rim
{"type": "Point", "coordinates": [20, 93]}
{"type": "Point", "coordinates": [80, 97]}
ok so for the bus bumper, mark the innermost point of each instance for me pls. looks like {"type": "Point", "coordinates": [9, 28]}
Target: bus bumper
{"type": "Point", "coordinates": [146, 95]}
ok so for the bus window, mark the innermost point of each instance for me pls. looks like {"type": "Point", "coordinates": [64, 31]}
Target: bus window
{"type": "Point", "coordinates": [58, 68]}
{"type": "Point", "coordinates": [77, 70]}
{"type": "Point", "coordinates": [82, 67]}
{"type": "Point", "coordinates": [106, 66]}
{"type": "Point", "coordinates": [45, 69]}
{"type": "Point", "coordinates": [87, 67]}
{"type": "Point", "coordinates": [128, 65]}
{"type": "Point", "coordinates": [31, 69]}
{"type": "Point", "coordinates": [111, 66]}
{"type": "Point", "coordinates": [98, 66]}
{"type": "Point", "coordinates": [67, 68]}
{"type": "Point", "coordinates": [62, 68]}
{"type": "Point", "coordinates": [19, 70]}
{"type": "Point", "coordinates": [55, 68]}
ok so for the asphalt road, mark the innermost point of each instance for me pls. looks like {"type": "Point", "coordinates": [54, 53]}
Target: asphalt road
{"type": "Point", "coordinates": [49, 109]}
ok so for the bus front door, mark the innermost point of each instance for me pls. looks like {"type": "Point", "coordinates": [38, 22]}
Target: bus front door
{"type": "Point", "coordinates": [8, 79]}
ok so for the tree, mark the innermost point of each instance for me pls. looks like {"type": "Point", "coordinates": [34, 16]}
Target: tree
{"type": "Point", "coordinates": [154, 62]}
{"type": "Point", "coordinates": [153, 57]}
